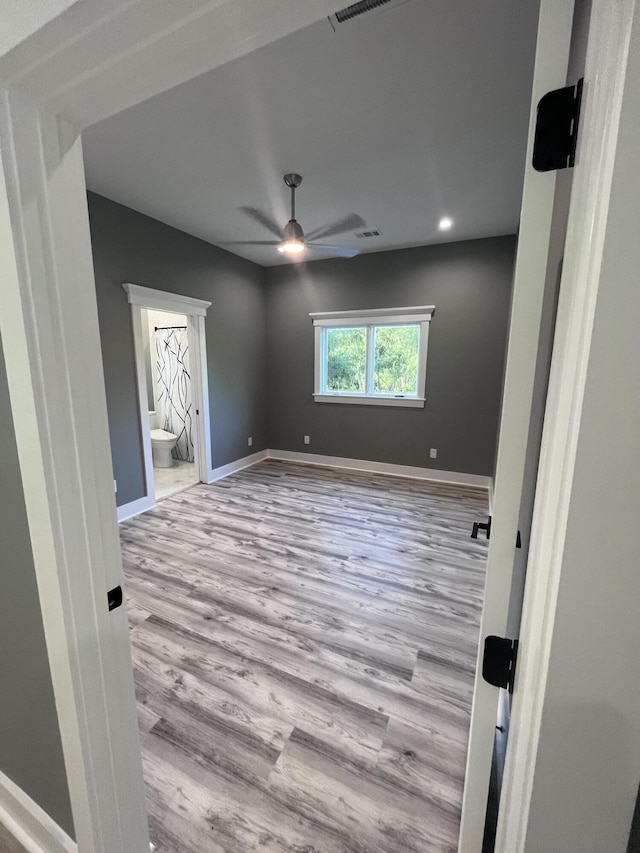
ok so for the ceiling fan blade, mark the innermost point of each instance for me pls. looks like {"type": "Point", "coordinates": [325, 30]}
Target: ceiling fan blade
{"type": "Point", "coordinates": [338, 251]}
{"type": "Point", "coordinates": [350, 222]}
{"type": "Point", "coordinates": [251, 243]}
{"type": "Point", "coordinates": [263, 219]}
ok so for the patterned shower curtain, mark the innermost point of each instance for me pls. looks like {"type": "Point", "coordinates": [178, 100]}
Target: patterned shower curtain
{"type": "Point", "coordinates": [174, 389]}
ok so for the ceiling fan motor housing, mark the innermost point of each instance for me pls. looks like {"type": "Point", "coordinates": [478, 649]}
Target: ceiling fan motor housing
{"type": "Point", "coordinates": [292, 231]}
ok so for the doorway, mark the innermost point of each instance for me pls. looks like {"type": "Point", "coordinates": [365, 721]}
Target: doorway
{"type": "Point", "coordinates": [170, 401]}
{"type": "Point", "coordinates": [173, 392]}
{"type": "Point", "coordinates": [59, 317]}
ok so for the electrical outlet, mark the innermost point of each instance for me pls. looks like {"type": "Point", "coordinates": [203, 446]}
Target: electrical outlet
{"type": "Point", "coordinates": [433, 453]}
{"type": "Point", "coordinates": [250, 441]}
{"type": "Point", "coordinates": [307, 440]}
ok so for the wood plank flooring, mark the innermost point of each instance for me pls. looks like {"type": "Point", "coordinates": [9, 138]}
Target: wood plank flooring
{"type": "Point", "coordinates": [304, 644]}
{"type": "Point", "coordinates": [9, 844]}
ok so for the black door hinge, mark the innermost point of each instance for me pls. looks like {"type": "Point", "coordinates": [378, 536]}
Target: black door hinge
{"type": "Point", "coordinates": [478, 526]}
{"type": "Point", "coordinates": [114, 597]}
{"type": "Point", "coordinates": [556, 135]}
{"type": "Point", "coordinates": [499, 661]}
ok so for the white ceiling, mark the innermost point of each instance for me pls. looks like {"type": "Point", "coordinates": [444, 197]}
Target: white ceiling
{"type": "Point", "coordinates": [403, 115]}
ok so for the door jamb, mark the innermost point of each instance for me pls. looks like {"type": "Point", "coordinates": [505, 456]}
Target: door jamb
{"type": "Point", "coordinates": [555, 25]}
{"type": "Point", "coordinates": [605, 72]}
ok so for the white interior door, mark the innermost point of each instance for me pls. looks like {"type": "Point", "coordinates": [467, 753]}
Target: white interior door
{"type": "Point", "coordinates": [531, 269]}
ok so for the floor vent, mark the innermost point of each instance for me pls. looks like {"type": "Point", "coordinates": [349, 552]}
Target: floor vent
{"type": "Point", "coordinates": [360, 8]}
{"type": "Point", "coordinates": [361, 234]}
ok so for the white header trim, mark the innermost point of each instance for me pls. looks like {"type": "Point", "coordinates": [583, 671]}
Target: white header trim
{"type": "Point", "coordinates": [415, 314]}
{"type": "Point", "coordinates": [162, 300]}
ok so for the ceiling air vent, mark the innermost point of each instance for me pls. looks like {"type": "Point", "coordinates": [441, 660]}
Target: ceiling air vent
{"type": "Point", "coordinates": [361, 234]}
{"type": "Point", "coordinates": [360, 8]}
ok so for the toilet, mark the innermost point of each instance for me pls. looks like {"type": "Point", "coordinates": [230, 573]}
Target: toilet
{"type": "Point", "coordinates": [162, 443]}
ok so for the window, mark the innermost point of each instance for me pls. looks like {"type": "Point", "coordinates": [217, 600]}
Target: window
{"type": "Point", "coordinates": [372, 357]}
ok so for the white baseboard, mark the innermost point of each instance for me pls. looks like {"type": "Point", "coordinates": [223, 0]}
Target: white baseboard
{"type": "Point", "coordinates": [148, 502]}
{"type": "Point", "coordinates": [29, 824]}
{"type": "Point", "coordinates": [246, 462]}
{"type": "Point", "coordinates": [136, 507]}
{"type": "Point", "coordinates": [433, 474]}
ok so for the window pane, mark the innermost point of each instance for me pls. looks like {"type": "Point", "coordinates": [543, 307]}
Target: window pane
{"type": "Point", "coordinates": [346, 360]}
{"type": "Point", "coordinates": [395, 367]}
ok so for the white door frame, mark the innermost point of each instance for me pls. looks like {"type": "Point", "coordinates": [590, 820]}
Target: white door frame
{"type": "Point", "coordinates": [555, 25]}
{"type": "Point", "coordinates": [90, 64]}
{"type": "Point", "coordinates": [610, 31]}
{"type": "Point", "coordinates": [605, 70]}
{"type": "Point", "coordinates": [51, 342]}
{"type": "Point", "coordinates": [195, 311]}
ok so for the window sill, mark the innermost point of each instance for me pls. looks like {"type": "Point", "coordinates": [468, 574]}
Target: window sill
{"type": "Point", "coordinates": [406, 402]}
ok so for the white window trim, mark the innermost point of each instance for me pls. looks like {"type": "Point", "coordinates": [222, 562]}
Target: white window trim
{"type": "Point", "coordinates": [372, 317]}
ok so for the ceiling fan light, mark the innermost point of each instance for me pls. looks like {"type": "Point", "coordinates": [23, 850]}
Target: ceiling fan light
{"type": "Point", "coordinates": [291, 246]}
{"type": "Point", "coordinates": [292, 238]}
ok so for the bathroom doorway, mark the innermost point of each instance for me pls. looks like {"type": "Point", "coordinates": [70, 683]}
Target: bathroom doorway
{"type": "Point", "coordinates": [170, 348]}
{"type": "Point", "coordinates": [170, 400]}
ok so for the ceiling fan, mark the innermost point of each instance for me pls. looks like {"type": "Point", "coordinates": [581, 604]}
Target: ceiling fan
{"type": "Point", "coordinates": [291, 239]}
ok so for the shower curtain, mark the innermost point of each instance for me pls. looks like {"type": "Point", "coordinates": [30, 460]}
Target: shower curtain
{"type": "Point", "coordinates": [173, 405]}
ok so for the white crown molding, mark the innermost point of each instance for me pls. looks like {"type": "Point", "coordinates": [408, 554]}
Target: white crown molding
{"type": "Point", "coordinates": [162, 300]}
{"type": "Point", "coordinates": [30, 825]}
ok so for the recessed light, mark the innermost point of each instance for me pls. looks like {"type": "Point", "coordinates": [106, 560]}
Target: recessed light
{"type": "Point", "coordinates": [445, 223]}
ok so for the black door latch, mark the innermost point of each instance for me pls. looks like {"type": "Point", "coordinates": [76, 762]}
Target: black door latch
{"type": "Point", "coordinates": [478, 526]}
{"type": "Point", "coordinates": [114, 597]}
{"type": "Point", "coordinates": [556, 135]}
{"type": "Point", "coordinates": [499, 661]}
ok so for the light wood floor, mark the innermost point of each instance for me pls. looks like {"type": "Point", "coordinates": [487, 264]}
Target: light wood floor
{"type": "Point", "coordinates": [8, 844]}
{"type": "Point", "coordinates": [304, 644]}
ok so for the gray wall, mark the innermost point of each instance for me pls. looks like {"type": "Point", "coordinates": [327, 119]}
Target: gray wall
{"type": "Point", "coordinates": [468, 282]}
{"type": "Point", "coordinates": [130, 247]}
{"type": "Point", "coordinates": [30, 746]}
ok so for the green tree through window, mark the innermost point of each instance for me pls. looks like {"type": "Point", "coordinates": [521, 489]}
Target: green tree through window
{"type": "Point", "coordinates": [346, 360]}
{"type": "Point", "coordinates": [395, 364]}
{"type": "Point", "coordinates": [372, 358]}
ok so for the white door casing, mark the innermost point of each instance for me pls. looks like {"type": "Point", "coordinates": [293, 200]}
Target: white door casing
{"type": "Point", "coordinates": [552, 56]}
{"type": "Point", "coordinates": [51, 340]}
{"type": "Point", "coordinates": [610, 30]}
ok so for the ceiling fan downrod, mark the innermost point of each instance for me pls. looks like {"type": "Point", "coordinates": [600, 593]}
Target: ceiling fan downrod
{"type": "Point", "coordinates": [293, 181]}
